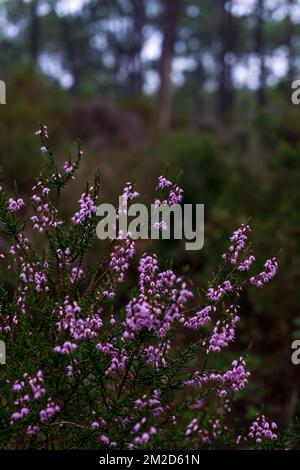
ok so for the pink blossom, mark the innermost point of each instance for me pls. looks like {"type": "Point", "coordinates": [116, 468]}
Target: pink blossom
{"type": "Point", "coordinates": [14, 205]}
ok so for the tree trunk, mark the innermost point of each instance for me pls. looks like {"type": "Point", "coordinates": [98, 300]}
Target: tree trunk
{"type": "Point", "coordinates": [226, 39]}
{"type": "Point", "coordinates": [135, 66]}
{"type": "Point", "coordinates": [70, 51]}
{"type": "Point", "coordinates": [260, 51]}
{"type": "Point", "coordinates": [289, 43]}
{"type": "Point", "coordinates": [34, 32]}
{"type": "Point", "coordinates": [170, 24]}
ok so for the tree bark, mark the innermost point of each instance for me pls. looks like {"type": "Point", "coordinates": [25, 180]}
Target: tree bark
{"type": "Point", "coordinates": [226, 39]}
{"type": "Point", "coordinates": [170, 25]}
{"type": "Point", "coordinates": [260, 51]}
{"type": "Point", "coordinates": [70, 51]}
{"type": "Point", "coordinates": [135, 66]}
{"type": "Point", "coordinates": [289, 43]}
{"type": "Point", "coordinates": [34, 32]}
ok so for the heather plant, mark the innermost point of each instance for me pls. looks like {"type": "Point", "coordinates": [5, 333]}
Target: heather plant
{"type": "Point", "coordinates": [84, 372]}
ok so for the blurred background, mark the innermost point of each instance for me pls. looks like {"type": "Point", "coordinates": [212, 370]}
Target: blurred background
{"type": "Point", "coordinates": [203, 86]}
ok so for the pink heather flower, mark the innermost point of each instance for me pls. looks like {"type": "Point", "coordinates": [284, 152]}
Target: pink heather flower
{"type": "Point", "coordinates": [261, 429]}
{"type": "Point", "coordinates": [151, 403]}
{"type": "Point", "coordinates": [50, 410]}
{"type": "Point", "coordinates": [118, 358]}
{"type": "Point", "coordinates": [66, 348]}
{"type": "Point", "coordinates": [246, 264]}
{"type": "Point", "coordinates": [214, 294]}
{"type": "Point", "coordinates": [20, 414]}
{"type": "Point", "coordinates": [37, 385]}
{"type": "Point", "coordinates": [43, 131]}
{"type": "Point", "coordinates": [197, 405]}
{"type": "Point", "coordinates": [238, 239]}
{"type": "Point", "coordinates": [14, 205]}
{"type": "Point", "coordinates": [70, 368]}
{"type": "Point", "coordinates": [143, 439]}
{"type": "Point", "coordinates": [36, 275]}
{"type": "Point", "coordinates": [56, 176]}
{"type": "Point", "coordinates": [224, 332]}
{"type": "Point", "coordinates": [45, 213]}
{"type": "Point", "coordinates": [155, 355]}
{"type": "Point", "coordinates": [212, 432]}
{"type": "Point", "coordinates": [64, 255]}
{"type": "Point", "coordinates": [234, 379]}
{"type": "Point", "coordinates": [76, 274]}
{"type": "Point", "coordinates": [264, 277]}
{"type": "Point", "coordinates": [137, 427]}
{"type": "Point", "coordinates": [192, 427]}
{"type": "Point", "coordinates": [32, 430]}
{"type": "Point", "coordinates": [78, 328]}
{"type": "Point", "coordinates": [122, 252]}
{"type": "Point", "coordinates": [201, 318]}
{"type": "Point", "coordinates": [160, 302]}
{"type": "Point", "coordinates": [163, 182]}
{"type": "Point", "coordinates": [106, 440]}
{"type": "Point", "coordinates": [87, 209]}
{"type": "Point", "coordinates": [119, 258]}
{"type": "Point", "coordinates": [160, 225]}
{"type": "Point", "coordinates": [129, 193]}
{"type": "Point", "coordinates": [69, 167]}
{"type": "Point", "coordinates": [43, 149]}
{"type": "Point", "coordinates": [24, 412]}
{"type": "Point", "coordinates": [18, 386]}
{"type": "Point", "coordinates": [175, 195]}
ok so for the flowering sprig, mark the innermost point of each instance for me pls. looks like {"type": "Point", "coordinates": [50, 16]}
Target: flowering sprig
{"type": "Point", "coordinates": [116, 376]}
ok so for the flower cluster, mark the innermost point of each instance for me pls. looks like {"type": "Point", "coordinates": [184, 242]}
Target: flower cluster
{"type": "Point", "coordinates": [50, 410]}
{"type": "Point", "coordinates": [224, 331]}
{"type": "Point", "coordinates": [259, 430]}
{"type": "Point", "coordinates": [33, 275]}
{"type": "Point", "coordinates": [87, 207]}
{"type": "Point", "coordinates": [175, 193]}
{"type": "Point", "coordinates": [46, 215]}
{"type": "Point", "coordinates": [234, 379]}
{"type": "Point", "coordinates": [15, 205]}
{"type": "Point", "coordinates": [69, 167]}
{"type": "Point", "coordinates": [204, 436]}
{"type": "Point", "coordinates": [160, 302]}
{"type": "Point", "coordinates": [214, 294]}
{"type": "Point", "coordinates": [76, 274]}
{"type": "Point", "coordinates": [201, 318]}
{"type": "Point", "coordinates": [136, 373]}
{"type": "Point", "coordinates": [77, 327]}
{"type": "Point", "coordinates": [151, 403]}
{"type": "Point", "coordinates": [262, 429]}
{"type": "Point", "coordinates": [29, 390]}
{"type": "Point", "coordinates": [120, 256]}
{"type": "Point", "coordinates": [117, 357]}
{"type": "Point", "coordinates": [238, 239]}
{"type": "Point", "coordinates": [144, 437]}
{"type": "Point", "coordinates": [271, 268]}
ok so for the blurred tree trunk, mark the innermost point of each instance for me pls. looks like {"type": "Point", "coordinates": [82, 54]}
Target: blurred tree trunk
{"type": "Point", "coordinates": [34, 32]}
{"type": "Point", "coordinates": [70, 51]}
{"type": "Point", "coordinates": [260, 51]}
{"type": "Point", "coordinates": [289, 42]}
{"type": "Point", "coordinates": [226, 42]}
{"type": "Point", "coordinates": [135, 68]}
{"type": "Point", "coordinates": [169, 29]}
